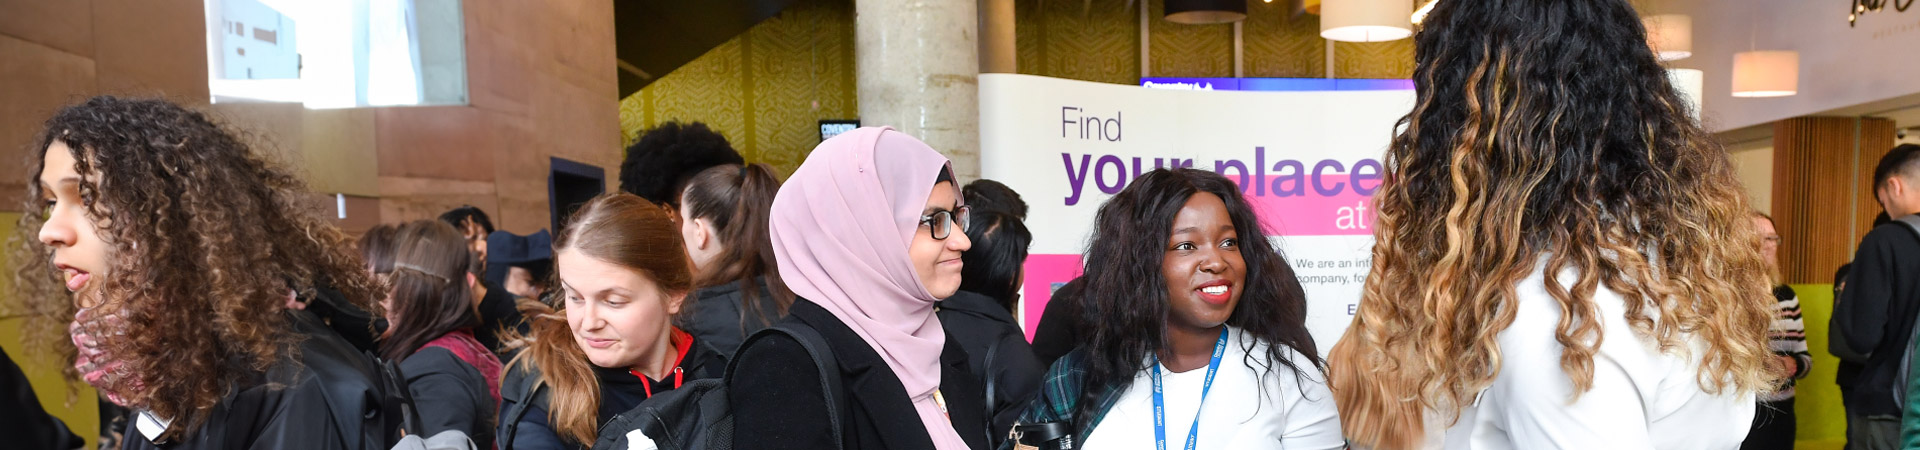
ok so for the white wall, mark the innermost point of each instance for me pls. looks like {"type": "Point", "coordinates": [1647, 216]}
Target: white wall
{"type": "Point", "coordinates": [1840, 66]}
{"type": "Point", "coordinates": [1755, 168]}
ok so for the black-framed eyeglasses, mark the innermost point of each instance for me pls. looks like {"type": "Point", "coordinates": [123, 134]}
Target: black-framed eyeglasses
{"type": "Point", "coordinates": [941, 223]}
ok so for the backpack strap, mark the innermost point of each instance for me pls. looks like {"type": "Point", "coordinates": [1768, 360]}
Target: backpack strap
{"type": "Point", "coordinates": [398, 402]}
{"type": "Point", "coordinates": [1912, 222]}
{"type": "Point", "coordinates": [825, 365]}
{"type": "Point", "coordinates": [509, 421]}
{"type": "Point", "coordinates": [990, 378]}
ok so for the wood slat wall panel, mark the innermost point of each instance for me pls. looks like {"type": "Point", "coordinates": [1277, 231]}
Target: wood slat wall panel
{"type": "Point", "coordinates": [1822, 193]}
{"type": "Point", "coordinates": [1876, 139]}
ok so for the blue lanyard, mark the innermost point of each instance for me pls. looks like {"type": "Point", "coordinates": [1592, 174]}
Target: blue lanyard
{"type": "Point", "coordinates": [1160, 402]}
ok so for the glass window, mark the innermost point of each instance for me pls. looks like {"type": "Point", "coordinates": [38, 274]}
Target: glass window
{"type": "Point", "coordinates": [337, 54]}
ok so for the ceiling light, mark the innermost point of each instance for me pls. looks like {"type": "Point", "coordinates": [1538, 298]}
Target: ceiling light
{"type": "Point", "coordinates": [1366, 20]}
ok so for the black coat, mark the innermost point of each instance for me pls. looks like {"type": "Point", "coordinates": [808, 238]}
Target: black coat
{"type": "Point", "coordinates": [523, 408]}
{"type": "Point", "coordinates": [355, 325]}
{"type": "Point", "coordinates": [1873, 319]}
{"type": "Point", "coordinates": [23, 422]}
{"type": "Point", "coordinates": [983, 327]}
{"type": "Point", "coordinates": [1059, 329]}
{"type": "Point", "coordinates": [449, 395]}
{"type": "Point", "coordinates": [777, 402]}
{"type": "Point", "coordinates": [718, 318]}
{"type": "Point", "coordinates": [327, 399]}
{"type": "Point", "coordinates": [498, 312]}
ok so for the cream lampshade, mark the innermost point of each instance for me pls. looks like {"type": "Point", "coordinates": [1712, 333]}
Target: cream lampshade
{"type": "Point", "coordinates": [1766, 73]}
{"type": "Point", "coordinates": [1670, 35]}
{"type": "Point", "coordinates": [1365, 20]}
{"type": "Point", "coordinates": [1690, 83]}
{"type": "Point", "coordinates": [1206, 12]}
{"type": "Point", "coordinates": [1420, 14]}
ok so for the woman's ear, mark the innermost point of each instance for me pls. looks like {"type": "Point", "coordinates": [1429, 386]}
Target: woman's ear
{"type": "Point", "coordinates": [702, 234]}
{"type": "Point", "coordinates": [675, 301]}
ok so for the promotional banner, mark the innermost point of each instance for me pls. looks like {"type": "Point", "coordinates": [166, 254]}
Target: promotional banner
{"type": "Point", "coordinates": [1308, 161]}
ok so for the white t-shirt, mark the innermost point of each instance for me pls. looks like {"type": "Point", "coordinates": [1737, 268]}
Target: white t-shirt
{"type": "Point", "coordinates": [1243, 411]}
{"type": "Point", "coordinates": [1640, 399]}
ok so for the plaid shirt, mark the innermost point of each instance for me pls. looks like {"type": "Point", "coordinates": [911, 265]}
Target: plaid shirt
{"type": "Point", "coordinates": [1060, 394]}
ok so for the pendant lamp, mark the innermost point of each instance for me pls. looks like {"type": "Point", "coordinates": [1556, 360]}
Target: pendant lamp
{"type": "Point", "coordinates": [1205, 12]}
{"type": "Point", "coordinates": [1691, 83]}
{"type": "Point", "coordinates": [1366, 20]}
{"type": "Point", "coordinates": [1420, 14]}
{"type": "Point", "coordinates": [1766, 73]}
{"type": "Point", "coordinates": [1670, 35]}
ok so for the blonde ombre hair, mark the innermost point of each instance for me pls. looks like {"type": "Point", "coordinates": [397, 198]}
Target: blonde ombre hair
{"type": "Point", "coordinates": [1540, 141]}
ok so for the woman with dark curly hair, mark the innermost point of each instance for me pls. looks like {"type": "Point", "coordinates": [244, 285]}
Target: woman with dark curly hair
{"type": "Point", "coordinates": [1563, 257]}
{"type": "Point", "coordinates": [1185, 296]}
{"type": "Point", "coordinates": [183, 249]}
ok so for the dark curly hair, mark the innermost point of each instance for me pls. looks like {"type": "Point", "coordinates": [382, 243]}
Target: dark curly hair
{"type": "Point", "coordinates": [1125, 303]}
{"type": "Point", "coordinates": [659, 164]}
{"type": "Point", "coordinates": [207, 240]}
{"type": "Point", "coordinates": [1545, 139]}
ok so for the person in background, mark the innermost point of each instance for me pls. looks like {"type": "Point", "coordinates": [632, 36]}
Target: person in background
{"type": "Point", "coordinates": [26, 424]}
{"type": "Point", "coordinates": [454, 381]}
{"type": "Point", "coordinates": [724, 223]}
{"type": "Point", "coordinates": [658, 165]}
{"type": "Point", "coordinates": [176, 249]}
{"type": "Point", "coordinates": [991, 196]}
{"type": "Point", "coordinates": [1773, 419]}
{"type": "Point", "coordinates": [868, 233]}
{"type": "Point", "coordinates": [1059, 329]}
{"type": "Point", "coordinates": [1847, 372]}
{"type": "Point", "coordinates": [474, 227]}
{"type": "Point", "coordinates": [1562, 256]}
{"type": "Point", "coordinates": [1185, 291]}
{"type": "Point", "coordinates": [523, 265]}
{"type": "Point", "coordinates": [377, 250]}
{"type": "Point", "coordinates": [610, 344]}
{"type": "Point", "coordinates": [1873, 320]}
{"type": "Point", "coordinates": [496, 308]}
{"type": "Point", "coordinates": [979, 317]}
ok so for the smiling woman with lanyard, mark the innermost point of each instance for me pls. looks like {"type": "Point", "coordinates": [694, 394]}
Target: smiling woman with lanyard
{"type": "Point", "coordinates": [1196, 331]}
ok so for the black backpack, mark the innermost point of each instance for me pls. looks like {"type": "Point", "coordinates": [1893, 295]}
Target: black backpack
{"type": "Point", "coordinates": [697, 416]}
{"type": "Point", "coordinates": [1912, 222]}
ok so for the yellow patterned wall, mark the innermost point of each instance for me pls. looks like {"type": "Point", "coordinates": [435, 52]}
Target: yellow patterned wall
{"type": "Point", "coordinates": [767, 89]}
{"type": "Point", "coordinates": [1099, 40]}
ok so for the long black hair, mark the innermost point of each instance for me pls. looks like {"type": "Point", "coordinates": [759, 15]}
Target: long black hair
{"type": "Point", "coordinates": [999, 253]}
{"type": "Point", "coordinates": [1124, 307]}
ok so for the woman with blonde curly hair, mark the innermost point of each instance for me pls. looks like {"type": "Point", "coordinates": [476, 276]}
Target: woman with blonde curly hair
{"type": "Point", "coordinates": [1563, 256]}
{"type": "Point", "coordinates": [182, 250]}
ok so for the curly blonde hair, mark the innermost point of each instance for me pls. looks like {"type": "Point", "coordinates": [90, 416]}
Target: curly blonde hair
{"type": "Point", "coordinates": [207, 239]}
{"type": "Point", "coordinates": [1538, 135]}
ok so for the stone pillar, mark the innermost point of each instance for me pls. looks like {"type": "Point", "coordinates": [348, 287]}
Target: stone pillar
{"type": "Point", "coordinates": [917, 68]}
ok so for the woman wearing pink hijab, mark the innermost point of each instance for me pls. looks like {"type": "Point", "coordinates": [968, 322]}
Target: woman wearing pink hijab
{"type": "Point", "coordinates": [868, 234]}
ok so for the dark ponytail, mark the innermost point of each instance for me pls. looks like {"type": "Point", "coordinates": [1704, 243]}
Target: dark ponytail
{"type": "Point", "coordinates": [737, 199]}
